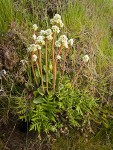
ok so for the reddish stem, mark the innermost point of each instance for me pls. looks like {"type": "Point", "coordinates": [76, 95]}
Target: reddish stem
{"type": "Point", "coordinates": [40, 62]}
{"type": "Point", "coordinates": [32, 65]}
{"type": "Point", "coordinates": [46, 62]}
{"type": "Point", "coordinates": [53, 62]}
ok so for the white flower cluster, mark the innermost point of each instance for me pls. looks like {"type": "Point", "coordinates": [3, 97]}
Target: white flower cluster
{"type": "Point", "coordinates": [57, 21]}
{"type": "Point", "coordinates": [47, 34]}
{"type": "Point", "coordinates": [55, 29]}
{"type": "Point", "coordinates": [32, 47]}
{"type": "Point", "coordinates": [63, 40]}
{"type": "Point", "coordinates": [85, 58]}
{"type": "Point", "coordinates": [58, 43]}
{"type": "Point", "coordinates": [35, 27]}
{"type": "Point", "coordinates": [40, 40]}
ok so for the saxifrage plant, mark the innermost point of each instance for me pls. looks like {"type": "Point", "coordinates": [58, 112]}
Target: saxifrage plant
{"type": "Point", "coordinates": [54, 103]}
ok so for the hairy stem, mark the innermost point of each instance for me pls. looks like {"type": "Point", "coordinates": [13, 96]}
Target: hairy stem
{"type": "Point", "coordinates": [32, 65]}
{"type": "Point", "coordinates": [37, 64]}
{"type": "Point", "coordinates": [40, 63]}
{"type": "Point", "coordinates": [46, 62]}
{"type": "Point", "coordinates": [54, 63]}
{"type": "Point", "coordinates": [59, 51]}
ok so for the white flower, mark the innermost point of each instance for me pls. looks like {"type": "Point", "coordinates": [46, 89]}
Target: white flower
{"type": "Point", "coordinates": [48, 32]}
{"type": "Point", "coordinates": [57, 16]}
{"type": "Point", "coordinates": [35, 27]}
{"type": "Point", "coordinates": [58, 57]}
{"type": "Point", "coordinates": [57, 21]}
{"type": "Point", "coordinates": [49, 37]}
{"type": "Point", "coordinates": [32, 47]}
{"type": "Point", "coordinates": [34, 37]}
{"type": "Point", "coordinates": [42, 32]}
{"type": "Point", "coordinates": [58, 43]}
{"type": "Point", "coordinates": [70, 42]}
{"type": "Point", "coordinates": [34, 57]}
{"type": "Point", "coordinates": [63, 38]}
{"type": "Point", "coordinates": [85, 58]}
{"type": "Point", "coordinates": [40, 40]}
{"type": "Point", "coordinates": [55, 29]}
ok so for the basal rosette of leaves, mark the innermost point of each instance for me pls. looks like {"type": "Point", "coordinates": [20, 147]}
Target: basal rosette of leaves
{"type": "Point", "coordinates": [65, 108]}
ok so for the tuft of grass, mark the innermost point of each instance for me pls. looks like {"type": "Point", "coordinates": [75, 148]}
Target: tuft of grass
{"type": "Point", "coordinates": [6, 14]}
{"type": "Point", "coordinates": [94, 19]}
{"type": "Point", "coordinates": [75, 141]}
{"type": "Point", "coordinates": [23, 13]}
{"type": "Point", "coordinates": [89, 22]}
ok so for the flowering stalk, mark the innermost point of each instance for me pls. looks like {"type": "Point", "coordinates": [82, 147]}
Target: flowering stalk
{"type": "Point", "coordinates": [46, 62]}
{"type": "Point", "coordinates": [85, 60]}
{"type": "Point", "coordinates": [32, 53]}
{"type": "Point", "coordinates": [32, 65]}
{"type": "Point", "coordinates": [53, 62]}
{"type": "Point", "coordinates": [60, 49]}
{"type": "Point", "coordinates": [67, 50]}
{"type": "Point", "coordinates": [37, 64]}
{"type": "Point", "coordinates": [40, 63]}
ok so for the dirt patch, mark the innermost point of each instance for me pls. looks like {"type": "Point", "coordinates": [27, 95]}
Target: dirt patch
{"type": "Point", "coordinates": [12, 138]}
